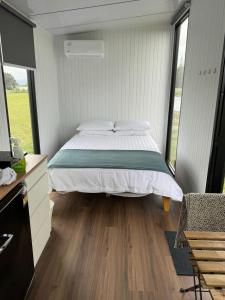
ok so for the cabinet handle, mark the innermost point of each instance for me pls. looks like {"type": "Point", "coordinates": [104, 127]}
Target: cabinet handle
{"type": "Point", "coordinates": [7, 242]}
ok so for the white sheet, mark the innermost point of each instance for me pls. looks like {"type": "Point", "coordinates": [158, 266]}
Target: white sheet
{"type": "Point", "coordinates": [113, 181]}
{"type": "Point", "coordinates": [114, 142]}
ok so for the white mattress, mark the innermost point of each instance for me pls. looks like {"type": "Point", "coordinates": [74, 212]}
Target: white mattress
{"type": "Point", "coordinates": [113, 181]}
{"type": "Point", "coordinates": [111, 142]}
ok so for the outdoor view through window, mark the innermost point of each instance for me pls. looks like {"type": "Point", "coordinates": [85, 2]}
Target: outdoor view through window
{"type": "Point", "coordinates": [18, 104]}
{"type": "Point", "coordinates": [182, 40]}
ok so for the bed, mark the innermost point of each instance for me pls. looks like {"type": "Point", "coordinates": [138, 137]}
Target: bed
{"type": "Point", "coordinates": [113, 164]}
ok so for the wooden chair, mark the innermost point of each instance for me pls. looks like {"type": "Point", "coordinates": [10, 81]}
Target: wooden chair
{"type": "Point", "coordinates": [202, 225]}
{"type": "Point", "coordinates": [208, 261]}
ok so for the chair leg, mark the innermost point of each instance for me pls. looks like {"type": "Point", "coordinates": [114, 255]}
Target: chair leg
{"type": "Point", "coordinates": [194, 287]}
{"type": "Point", "coordinates": [190, 289]}
{"type": "Point", "coordinates": [166, 203]}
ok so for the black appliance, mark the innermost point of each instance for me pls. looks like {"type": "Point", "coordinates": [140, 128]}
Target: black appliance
{"type": "Point", "coordinates": [6, 159]}
{"type": "Point", "coordinates": [16, 256]}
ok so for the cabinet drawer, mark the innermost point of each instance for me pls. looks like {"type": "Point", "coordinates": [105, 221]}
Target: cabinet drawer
{"type": "Point", "coordinates": [41, 239]}
{"type": "Point", "coordinates": [36, 175]}
{"type": "Point", "coordinates": [39, 216]}
{"type": "Point", "coordinates": [37, 193]}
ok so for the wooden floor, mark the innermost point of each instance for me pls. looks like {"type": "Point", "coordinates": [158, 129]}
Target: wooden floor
{"type": "Point", "coordinates": [108, 249]}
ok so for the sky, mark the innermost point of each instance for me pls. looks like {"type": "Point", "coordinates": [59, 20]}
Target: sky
{"type": "Point", "coordinates": [183, 41]}
{"type": "Point", "coordinates": [18, 73]}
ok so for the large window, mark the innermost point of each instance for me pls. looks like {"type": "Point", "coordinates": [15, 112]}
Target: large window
{"type": "Point", "coordinates": [180, 41]}
{"type": "Point", "coordinates": [21, 107]}
{"type": "Point", "coordinates": [216, 172]}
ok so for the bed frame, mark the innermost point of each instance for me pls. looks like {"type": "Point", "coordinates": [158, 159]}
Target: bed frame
{"type": "Point", "coordinates": [166, 203]}
{"type": "Point", "coordinates": [165, 200]}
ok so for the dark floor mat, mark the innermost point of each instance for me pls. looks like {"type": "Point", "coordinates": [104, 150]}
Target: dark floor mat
{"type": "Point", "coordinates": [180, 256]}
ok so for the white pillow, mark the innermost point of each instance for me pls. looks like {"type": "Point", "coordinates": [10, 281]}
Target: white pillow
{"type": "Point", "coordinates": [96, 125]}
{"type": "Point", "coordinates": [132, 132]}
{"type": "Point", "coordinates": [132, 125]}
{"type": "Point", "coordinates": [96, 132]}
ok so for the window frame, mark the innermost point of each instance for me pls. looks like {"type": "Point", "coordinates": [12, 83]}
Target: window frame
{"type": "Point", "coordinates": [6, 106]}
{"type": "Point", "coordinates": [172, 90]}
{"type": "Point", "coordinates": [33, 109]}
{"type": "Point", "coordinates": [216, 169]}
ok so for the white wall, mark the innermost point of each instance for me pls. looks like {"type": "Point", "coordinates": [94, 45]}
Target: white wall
{"type": "Point", "coordinates": [204, 52]}
{"type": "Point", "coordinates": [46, 83]}
{"type": "Point", "coordinates": [131, 82]}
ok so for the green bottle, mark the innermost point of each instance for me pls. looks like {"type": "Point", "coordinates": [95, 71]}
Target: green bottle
{"type": "Point", "coordinates": [20, 165]}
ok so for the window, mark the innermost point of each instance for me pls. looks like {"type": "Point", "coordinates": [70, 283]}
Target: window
{"type": "Point", "coordinates": [21, 107]}
{"type": "Point", "coordinates": [180, 41]}
{"type": "Point", "coordinates": [216, 171]}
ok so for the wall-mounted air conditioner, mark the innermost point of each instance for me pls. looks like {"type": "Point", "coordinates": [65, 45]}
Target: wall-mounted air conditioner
{"type": "Point", "coordinates": [84, 48]}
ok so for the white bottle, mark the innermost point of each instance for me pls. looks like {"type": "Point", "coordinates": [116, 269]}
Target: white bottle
{"type": "Point", "coordinates": [17, 150]}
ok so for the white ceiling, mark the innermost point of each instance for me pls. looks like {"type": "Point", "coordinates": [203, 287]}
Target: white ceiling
{"type": "Point", "coordinates": [70, 16]}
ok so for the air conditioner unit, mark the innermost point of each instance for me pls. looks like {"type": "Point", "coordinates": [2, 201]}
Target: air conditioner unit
{"type": "Point", "coordinates": [84, 48]}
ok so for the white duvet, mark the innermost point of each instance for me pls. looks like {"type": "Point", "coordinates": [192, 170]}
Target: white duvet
{"type": "Point", "coordinates": [113, 181]}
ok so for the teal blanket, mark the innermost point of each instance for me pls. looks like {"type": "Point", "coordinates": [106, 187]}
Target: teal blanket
{"type": "Point", "coordinates": [109, 159]}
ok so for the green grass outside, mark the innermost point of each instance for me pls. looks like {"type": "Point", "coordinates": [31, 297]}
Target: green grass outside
{"type": "Point", "coordinates": [19, 118]}
{"type": "Point", "coordinates": [174, 138]}
{"type": "Point", "coordinates": [175, 128]}
{"type": "Point", "coordinates": [178, 92]}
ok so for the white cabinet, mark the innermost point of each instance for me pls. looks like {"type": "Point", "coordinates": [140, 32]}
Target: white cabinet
{"type": "Point", "coordinates": [39, 208]}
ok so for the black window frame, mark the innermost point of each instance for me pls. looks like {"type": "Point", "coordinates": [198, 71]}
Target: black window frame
{"type": "Point", "coordinates": [216, 170]}
{"type": "Point", "coordinates": [33, 109]}
{"type": "Point", "coordinates": [172, 89]}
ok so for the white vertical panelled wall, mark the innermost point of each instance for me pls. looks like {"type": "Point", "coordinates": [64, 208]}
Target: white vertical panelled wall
{"type": "Point", "coordinates": [130, 82]}
{"type": "Point", "coordinates": [46, 91]}
{"type": "Point", "coordinates": [203, 57]}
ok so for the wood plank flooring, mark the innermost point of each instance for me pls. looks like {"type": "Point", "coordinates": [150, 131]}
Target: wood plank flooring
{"type": "Point", "coordinates": [108, 249]}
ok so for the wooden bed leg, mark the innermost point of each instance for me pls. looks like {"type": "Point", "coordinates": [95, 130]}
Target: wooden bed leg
{"type": "Point", "coordinates": [166, 204]}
